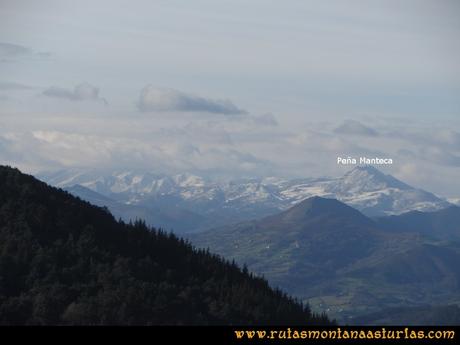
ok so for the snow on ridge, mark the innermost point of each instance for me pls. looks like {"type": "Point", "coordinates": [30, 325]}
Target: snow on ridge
{"type": "Point", "coordinates": [454, 201]}
{"type": "Point", "coordinates": [364, 188]}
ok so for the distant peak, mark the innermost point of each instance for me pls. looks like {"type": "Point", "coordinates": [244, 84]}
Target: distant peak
{"type": "Point", "coordinates": [361, 172]}
{"type": "Point", "coordinates": [320, 203]}
{"type": "Point", "coordinates": [371, 178]}
{"type": "Point", "coordinates": [322, 207]}
{"type": "Point", "coordinates": [367, 168]}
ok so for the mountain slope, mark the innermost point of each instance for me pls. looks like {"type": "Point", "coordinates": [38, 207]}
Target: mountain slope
{"type": "Point", "coordinates": [168, 218]}
{"type": "Point", "coordinates": [443, 224]}
{"type": "Point", "coordinates": [217, 203]}
{"type": "Point", "coordinates": [369, 191]}
{"type": "Point", "coordinates": [331, 255]}
{"type": "Point", "coordinates": [64, 261]}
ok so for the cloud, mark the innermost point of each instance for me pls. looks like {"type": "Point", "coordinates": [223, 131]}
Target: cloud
{"type": "Point", "coordinates": [81, 92]}
{"type": "Point", "coordinates": [13, 86]}
{"type": "Point", "coordinates": [5, 151]}
{"type": "Point", "coordinates": [163, 99]}
{"type": "Point", "coordinates": [450, 138]}
{"type": "Point", "coordinates": [440, 156]}
{"type": "Point", "coordinates": [351, 127]}
{"type": "Point", "coordinates": [10, 52]}
{"type": "Point", "coordinates": [23, 150]}
{"type": "Point", "coordinates": [59, 149]}
{"type": "Point", "coordinates": [265, 120]}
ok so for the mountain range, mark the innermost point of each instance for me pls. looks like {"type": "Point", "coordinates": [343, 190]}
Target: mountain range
{"type": "Point", "coordinates": [339, 260]}
{"type": "Point", "coordinates": [64, 261]}
{"type": "Point", "coordinates": [355, 246]}
{"type": "Point", "coordinates": [351, 251]}
{"type": "Point", "coordinates": [189, 203]}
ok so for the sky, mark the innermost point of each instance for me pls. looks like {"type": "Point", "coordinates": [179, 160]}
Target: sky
{"type": "Point", "coordinates": [232, 88]}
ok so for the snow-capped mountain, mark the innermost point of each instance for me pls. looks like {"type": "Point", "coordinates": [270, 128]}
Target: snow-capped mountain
{"type": "Point", "coordinates": [370, 191]}
{"type": "Point", "coordinates": [364, 188]}
{"type": "Point", "coordinates": [454, 201]}
{"type": "Point", "coordinates": [134, 184]}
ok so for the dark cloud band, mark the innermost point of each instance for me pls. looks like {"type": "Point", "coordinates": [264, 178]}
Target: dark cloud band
{"type": "Point", "coordinates": [162, 99]}
{"type": "Point", "coordinates": [81, 92]}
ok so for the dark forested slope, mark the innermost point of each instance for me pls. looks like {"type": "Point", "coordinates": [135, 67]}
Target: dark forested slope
{"type": "Point", "coordinates": [64, 261]}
